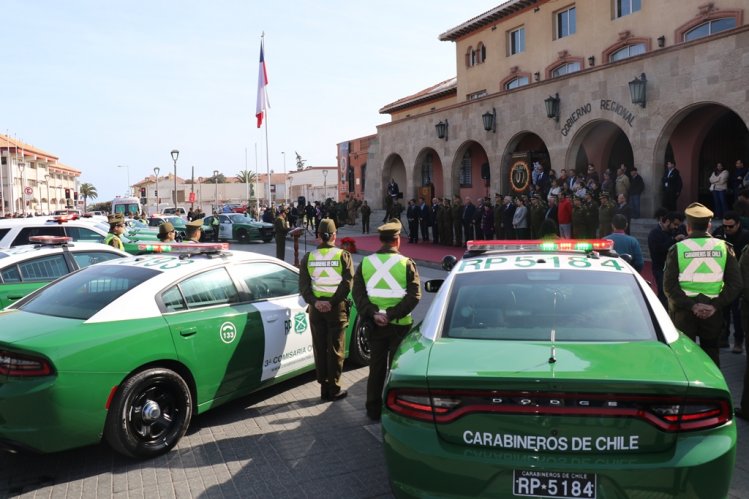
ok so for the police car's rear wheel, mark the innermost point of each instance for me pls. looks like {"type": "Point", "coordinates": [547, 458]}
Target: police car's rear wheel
{"type": "Point", "coordinates": [149, 414]}
{"type": "Point", "coordinates": [243, 236]}
{"type": "Point", "coordinates": [359, 350]}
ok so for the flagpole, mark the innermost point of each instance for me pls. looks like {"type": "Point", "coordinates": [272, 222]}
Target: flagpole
{"type": "Point", "coordinates": [267, 159]}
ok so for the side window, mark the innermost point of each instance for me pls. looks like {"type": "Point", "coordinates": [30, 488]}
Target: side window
{"type": "Point", "coordinates": [214, 287]}
{"type": "Point", "coordinates": [268, 280]}
{"type": "Point", "coordinates": [10, 275]}
{"type": "Point", "coordinates": [43, 269]}
{"type": "Point", "coordinates": [83, 234]}
{"type": "Point", "coordinates": [173, 300]}
{"type": "Point", "coordinates": [3, 232]}
{"type": "Point", "coordinates": [84, 259]}
{"type": "Point", "coordinates": [27, 232]}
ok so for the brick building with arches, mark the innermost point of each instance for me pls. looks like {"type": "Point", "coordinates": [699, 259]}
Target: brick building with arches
{"type": "Point", "coordinates": [571, 83]}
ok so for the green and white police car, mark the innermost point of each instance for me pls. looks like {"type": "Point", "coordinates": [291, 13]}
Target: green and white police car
{"type": "Point", "coordinates": [550, 369]}
{"type": "Point", "coordinates": [241, 228]}
{"type": "Point", "coordinates": [24, 269]}
{"type": "Point", "coordinates": [130, 349]}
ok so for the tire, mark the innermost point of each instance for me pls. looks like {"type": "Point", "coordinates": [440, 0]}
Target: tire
{"type": "Point", "coordinates": [243, 236]}
{"type": "Point", "coordinates": [166, 397]}
{"type": "Point", "coordinates": [359, 348]}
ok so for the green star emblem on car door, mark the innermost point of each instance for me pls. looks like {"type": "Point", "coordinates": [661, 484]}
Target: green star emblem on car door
{"type": "Point", "coordinates": [300, 323]}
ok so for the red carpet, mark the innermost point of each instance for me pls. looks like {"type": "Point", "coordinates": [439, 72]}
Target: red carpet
{"type": "Point", "coordinates": [433, 253]}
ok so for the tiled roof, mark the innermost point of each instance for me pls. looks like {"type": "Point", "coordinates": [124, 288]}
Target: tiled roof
{"type": "Point", "coordinates": [15, 145]}
{"type": "Point", "coordinates": [506, 8]}
{"type": "Point", "coordinates": [437, 91]}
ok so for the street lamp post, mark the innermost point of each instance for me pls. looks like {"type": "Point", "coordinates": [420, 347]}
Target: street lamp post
{"type": "Point", "coordinates": [22, 167]}
{"type": "Point", "coordinates": [156, 171]}
{"type": "Point", "coordinates": [46, 180]}
{"type": "Point", "coordinates": [128, 177]}
{"type": "Point", "coordinates": [284, 161]}
{"type": "Point", "coordinates": [215, 180]}
{"type": "Point", "coordinates": [291, 181]}
{"type": "Point", "coordinates": [175, 155]}
{"type": "Point", "coordinates": [325, 184]}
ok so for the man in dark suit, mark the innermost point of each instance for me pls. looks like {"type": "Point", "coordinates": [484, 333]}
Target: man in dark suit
{"type": "Point", "coordinates": [412, 215]}
{"type": "Point", "coordinates": [469, 213]}
{"type": "Point", "coordinates": [671, 184]}
{"type": "Point", "coordinates": [425, 216]}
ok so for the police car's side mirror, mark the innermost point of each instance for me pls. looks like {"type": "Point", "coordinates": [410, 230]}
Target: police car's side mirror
{"type": "Point", "coordinates": [627, 258]}
{"type": "Point", "coordinates": [448, 262]}
{"type": "Point", "coordinates": [432, 286]}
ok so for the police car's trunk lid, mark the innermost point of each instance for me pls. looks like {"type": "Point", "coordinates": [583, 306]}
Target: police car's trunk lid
{"type": "Point", "coordinates": [593, 398]}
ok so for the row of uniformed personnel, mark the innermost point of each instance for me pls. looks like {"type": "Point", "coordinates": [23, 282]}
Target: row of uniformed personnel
{"type": "Point", "coordinates": [701, 277]}
{"type": "Point", "coordinates": [385, 288]}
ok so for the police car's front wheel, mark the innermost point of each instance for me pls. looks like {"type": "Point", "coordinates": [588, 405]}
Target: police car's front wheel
{"type": "Point", "coordinates": [149, 414]}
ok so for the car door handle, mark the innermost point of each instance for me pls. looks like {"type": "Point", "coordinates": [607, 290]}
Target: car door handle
{"type": "Point", "coordinates": [188, 332]}
{"type": "Point", "coordinates": [15, 297]}
{"type": "Point", "coordinates": [272, 318]}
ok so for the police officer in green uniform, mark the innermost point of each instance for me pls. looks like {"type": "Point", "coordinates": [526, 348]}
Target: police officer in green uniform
{"type": "Point", "coordinates": [167, 234]}
{"type": "Point", "coordinates": [215, 225]}
{"type": "Point", "coordinates": [606, 212]}
{"type": "Point", "coordinates": [742, 411]}
{"type": "Point", "coordinates": [701, 277]}
{"type": "Point", "coordinates": [116, 229]}
{"type": "Point", "coordinates": [325, 278]}
{"type": "Point", "coordinates": [193, 231]}
{"type": "Point", "coordinates": [386, 290]}
{"type": "Point", "coordinates": [458, 220]}
{"type": "Point", "coordinates": [281, 228]}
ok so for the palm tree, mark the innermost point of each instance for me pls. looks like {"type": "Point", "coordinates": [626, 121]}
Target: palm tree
{"type": "Point", "coordinates": [246, 176]}
{"type": "Point", "coordinates": [87, 191]}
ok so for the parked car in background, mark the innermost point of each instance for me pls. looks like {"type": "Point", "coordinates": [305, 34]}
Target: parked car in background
{"type": "Point", "coordinates": [24, 269]}
{"type": "Point", "coordinates": [241, 228]}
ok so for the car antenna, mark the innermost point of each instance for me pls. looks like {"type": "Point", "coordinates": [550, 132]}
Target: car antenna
{"type": "Point", "coordinates": [553, 356]}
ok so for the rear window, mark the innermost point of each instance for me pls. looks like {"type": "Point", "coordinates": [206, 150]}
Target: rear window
{"type": "Point", "coordinates": [529, 305]}
{"type": "Point", "coordinates": [82, 294]}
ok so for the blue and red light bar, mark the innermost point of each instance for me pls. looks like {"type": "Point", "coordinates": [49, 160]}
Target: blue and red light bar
{"type": "Point", "coordinates": [542, 245]}
{"type": "Point", "coordinates": [50, 240]}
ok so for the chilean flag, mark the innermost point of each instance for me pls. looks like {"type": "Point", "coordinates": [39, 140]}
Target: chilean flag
{"type": "Point", "coordinates": [262, 81]}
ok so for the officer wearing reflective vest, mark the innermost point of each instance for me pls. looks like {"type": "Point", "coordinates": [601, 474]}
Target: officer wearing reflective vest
{"type": "Point", "coordinates": [701, 277]}
{"type": "Point", "coordinates": [386, 290]}
{"type": "Point", "coordinates": [325, 277]}
{"type": "Point", "coordinates": [116, 229]}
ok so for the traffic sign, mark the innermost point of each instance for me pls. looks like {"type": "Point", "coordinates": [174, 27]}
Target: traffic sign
{"type": "Point", "coordinates": [192, 197]}
{"type": "Point", "coordinates": [28, 192]}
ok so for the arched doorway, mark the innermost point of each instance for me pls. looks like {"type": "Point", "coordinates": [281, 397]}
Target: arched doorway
{"type": "Point", "coordinates": [394, 168]}
{"type": "Point", "coordinates": [602, 144]}
{"type": "Point", "coordinates": [696, 139]}
{"type": "Point", "coordinates": [428, 176]}
{"type": "Point", "coordinates": [471, 171]}
{"type": "Point", "coordinates": [522, 152]}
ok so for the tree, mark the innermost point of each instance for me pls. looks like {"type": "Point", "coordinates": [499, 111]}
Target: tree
{"type": "Point", "coordinates": [87, 191]}
{"type": "Point", "coordinates": [299, 162]}
{"type": "Point", "coordinates": [220, 178]}
{"type": "Point", "coordinates": [246, 176]}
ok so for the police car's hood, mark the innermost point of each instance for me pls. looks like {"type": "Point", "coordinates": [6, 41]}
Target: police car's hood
{"type": "Point", "coordinates": [21, 328]}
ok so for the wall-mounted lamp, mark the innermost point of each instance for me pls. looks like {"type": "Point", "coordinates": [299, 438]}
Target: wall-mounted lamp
{"type": "Point", "coordinates": [592, 61]}
{"type": "Point", "coordinates": [637, 90]}
{"type": "Point", "coordinates": [441, 129]}
{"type": "Point", "coordinates": [661, 41]}
{"type": "Point", "coordinates": [490, 120]}
{"type": "Point", "coordinates": [552, 106]}
{"type": "Point", "coordinates": [536, 76]}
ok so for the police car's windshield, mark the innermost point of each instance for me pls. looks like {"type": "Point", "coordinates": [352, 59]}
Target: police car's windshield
{"type": "Point", "coordinates": [82, 294]}
{"type": "Point", "coordinates": [529, 304]}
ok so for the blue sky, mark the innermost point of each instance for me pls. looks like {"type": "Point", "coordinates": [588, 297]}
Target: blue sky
{"type": "Point", "coordinates": [102, 84]}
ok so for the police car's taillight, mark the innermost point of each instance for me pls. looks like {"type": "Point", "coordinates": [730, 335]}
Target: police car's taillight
{"type": "Point", "coordinates": [14, 364]}
{"type": "Point", "coordinates": [417, 404]}
{"type": "Point", "coordinates": [692, 415]}
{"type": "Point", "coordinates": [542, 245]}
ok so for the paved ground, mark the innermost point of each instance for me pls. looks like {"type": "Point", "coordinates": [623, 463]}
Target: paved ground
{"type": "Point", "coordinates": [280, 443]}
